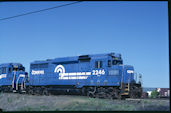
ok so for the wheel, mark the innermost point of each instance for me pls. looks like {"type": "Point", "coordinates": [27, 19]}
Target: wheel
{"type": "Point", "coordinates": [30, 91]}
{"type": "Point", "coordinates": [91, 94]}
{"type": "Point", "coordinates": [109, 96]}
{"type": "Point", "coordinates": [38, 91]}
{"type": "Point", "coordinates": [45, 92]}
{"type": "Point", "coordinates": [83, 91]}
{"type": "Point", "coordinates": [109, 93]}
{"type": "Point", "coordinates": [112, 93]}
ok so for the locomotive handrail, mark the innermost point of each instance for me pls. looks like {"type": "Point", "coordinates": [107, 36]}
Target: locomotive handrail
{"type": "Point", "coordinates": [140, 78]}
{"type": "Point", "coordinates": [17, 83]}
{"type": "Point", "coordinates": [122, 78]}
{"type": "Point", "coordinates": [22, 84]}
{"type": "Point", "coordinates": [135, 77]}
{"type": "Point", "coordinates": [128, 83]}
{"type": "Point", "coordinates": [13, 79]}
{"type": "Point", "coordinates": [18, 80]}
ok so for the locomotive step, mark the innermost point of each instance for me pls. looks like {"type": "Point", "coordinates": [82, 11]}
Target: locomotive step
{"type": "Point", "coordinates": [14, 91]}
{"type": "Point", "coordinates": [126, 89]}
{"type": "Point", "coordinates": [125, 94]}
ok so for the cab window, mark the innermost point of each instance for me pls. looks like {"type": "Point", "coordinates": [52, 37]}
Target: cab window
{"type": "Point", "coordinates": [15, 69]}
{"type": "Point", "coordinates": [21, 69]}
{"type": "Point", "coordinates": [116, 62]}
{"type": "Point", "coordinates": [109, 63]}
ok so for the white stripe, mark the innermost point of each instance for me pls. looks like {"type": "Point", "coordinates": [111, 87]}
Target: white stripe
{"type": "Point", "coordinates": [75, 73]}
{"type": "Point", "coordinates": [88, 73]}
{"type": "Point", "coordinates": [79, 77]}
{"type": "Point", "coordinates": [71, 73]}
{"type": "Point", "coordinates": [83, 73]}
{"type": "Point", "coordinates": [63, 74]}
{"type": "Point", "coordinates": [3, 76]}
{"type": "Point", "coordinates": [22, 75]}
{"type": "Point", "coordinates": [78, 73]}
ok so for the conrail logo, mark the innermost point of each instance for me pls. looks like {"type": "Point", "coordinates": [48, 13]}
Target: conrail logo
{"type": "Point", "coordinates": [74, 75]}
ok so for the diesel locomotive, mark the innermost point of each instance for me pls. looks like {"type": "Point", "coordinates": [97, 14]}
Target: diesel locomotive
{"type": "Point", "coordinates": [96, 75]}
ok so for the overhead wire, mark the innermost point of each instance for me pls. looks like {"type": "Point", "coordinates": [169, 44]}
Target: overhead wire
{"type": "Point", "coordinates": [38, 11]}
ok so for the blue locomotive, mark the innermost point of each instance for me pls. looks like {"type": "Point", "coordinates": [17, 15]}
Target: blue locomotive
{"type": "Point", "coordinates": [12, 77]}
{"type": "Point", "coordinates": [99, 75]}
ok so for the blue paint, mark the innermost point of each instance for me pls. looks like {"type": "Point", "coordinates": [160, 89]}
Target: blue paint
{"type": "Point", "coordinates": [74, 65]}
{"type": "Point", "coordinates": [11, 74]}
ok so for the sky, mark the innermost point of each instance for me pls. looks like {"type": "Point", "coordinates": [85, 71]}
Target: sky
{"type": "Point", "coordinates": [136, 29]}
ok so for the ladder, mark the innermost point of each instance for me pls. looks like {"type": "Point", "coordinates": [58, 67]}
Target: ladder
{"type": "Point", "coordinates": [13, 82]}
{"type": "Point", "coordinates": [125, 88]}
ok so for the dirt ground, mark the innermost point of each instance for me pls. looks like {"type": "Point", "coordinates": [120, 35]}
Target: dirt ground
{"type": "Point", "coordinates": [24, 102]}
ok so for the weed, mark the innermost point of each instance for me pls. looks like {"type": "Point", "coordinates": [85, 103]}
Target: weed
{"type": "Point", "coordinates": [9, 100]}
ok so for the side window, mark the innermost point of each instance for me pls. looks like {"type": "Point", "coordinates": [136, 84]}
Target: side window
{"type": "Point", "coordinates": [9, 70]}
{"type": "Point", "coordinates": [3, 70]}
{"type": "Point", "coordinates": [98, 64]}
{"type": "Point", "coordinates": [109, 63]}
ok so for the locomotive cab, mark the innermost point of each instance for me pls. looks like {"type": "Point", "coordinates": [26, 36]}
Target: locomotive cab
{"type": "Point", "coordinates": [131, 87]}
{"type": "Point", "coordinates": [12, 77]}
{"type": "Point", "coordinates": [128, 85]}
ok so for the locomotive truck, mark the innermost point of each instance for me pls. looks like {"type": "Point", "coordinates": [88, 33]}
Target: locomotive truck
{"type": "Point", "coordinates": [96, 75]}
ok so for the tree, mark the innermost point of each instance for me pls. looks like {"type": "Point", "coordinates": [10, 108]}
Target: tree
{"type": "Point", "coordinates": [154, 94]}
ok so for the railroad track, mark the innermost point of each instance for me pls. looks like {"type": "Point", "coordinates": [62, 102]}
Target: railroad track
{"type": "Point", "coordinates": [148, 99]}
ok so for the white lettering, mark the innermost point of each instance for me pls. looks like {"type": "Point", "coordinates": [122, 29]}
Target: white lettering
{"type": "Point", "coordinates": [22, 75]}
{"type": "Point", "coordinates": [130, 71]}
{"type": "Point", "coordinates": [39, 72]}
{"type": "Point", "coordinates": [98, 72]}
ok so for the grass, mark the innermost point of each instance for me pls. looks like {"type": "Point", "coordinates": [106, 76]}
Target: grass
{"type": "Point", "coordinates": [29, 108]}
{"type": "Point", "coordinates": [147, 101]}
{"type": "Point", "coordinates": [9, 100]}
{"type": "Point", "coordinates": [81, 103]}
{"type": "Point", "coordinates": [96, 105]}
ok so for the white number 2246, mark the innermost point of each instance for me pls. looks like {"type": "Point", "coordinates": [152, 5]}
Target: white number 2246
{"type": "Point", "coordinates": [98, 72]}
